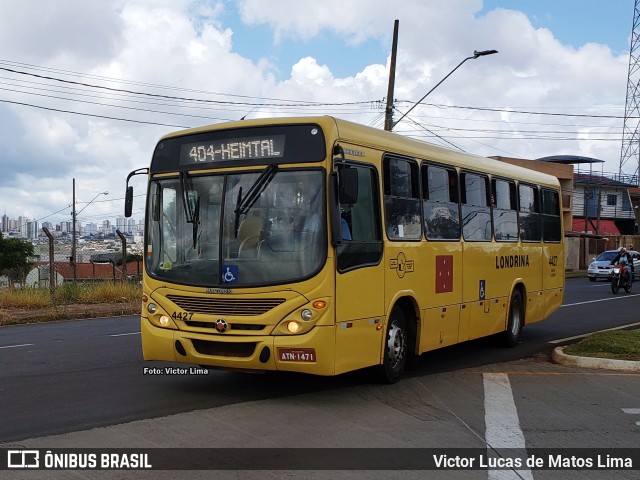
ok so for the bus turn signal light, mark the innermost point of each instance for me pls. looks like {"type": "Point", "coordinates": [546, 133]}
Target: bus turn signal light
{"type": "Point", "coordinates": [319, 304]}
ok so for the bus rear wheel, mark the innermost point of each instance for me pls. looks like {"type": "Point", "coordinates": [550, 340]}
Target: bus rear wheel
{"type": "Point", "coordinates": [395, 347]}
{"type": "Point", "coordinates": [513, 333]}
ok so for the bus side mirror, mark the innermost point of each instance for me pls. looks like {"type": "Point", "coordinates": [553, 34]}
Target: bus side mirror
{"type": "Point", "coordinates": [128, 198]}
{"type": "Point", "coordinates": [348, 185]}
{"type": "Point", "coordinates": [128, 202]}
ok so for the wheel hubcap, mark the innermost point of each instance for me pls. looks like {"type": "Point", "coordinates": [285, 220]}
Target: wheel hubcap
{"type": "Point", "coordinates": [396, 345]}
{"type": "Point", "coordinates": [516, 322]}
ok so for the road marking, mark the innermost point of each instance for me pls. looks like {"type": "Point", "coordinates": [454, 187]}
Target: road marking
{"type": "Point", "coordinates": [562, 340]}
{"type": "Point", "coordinates": [601, 300]}
{"type": "Point", "coordinates": [16, 346]}
{"type": "Point", "coordinates": [124, 334]}
{"type": "Point", "coordinates": [502, 423]}
{"type": "Point", "coordinates": [632, 411]}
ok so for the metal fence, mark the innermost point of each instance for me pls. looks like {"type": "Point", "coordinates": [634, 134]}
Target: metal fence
{"type": "Point", "coordinates": [53, 262]}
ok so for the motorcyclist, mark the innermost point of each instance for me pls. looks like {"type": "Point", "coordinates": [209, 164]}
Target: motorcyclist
{"type": "Point", "coordinates": [624, 259]}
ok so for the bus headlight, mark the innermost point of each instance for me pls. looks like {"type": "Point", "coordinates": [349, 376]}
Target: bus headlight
{"type": "Point", "coordinates": [306, 314]}
{"type": "Point", "coordinates": [293, 326]}
{"type": "Point", "coordinates": [159, 317]}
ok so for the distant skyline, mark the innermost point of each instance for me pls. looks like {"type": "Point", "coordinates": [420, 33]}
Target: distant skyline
{"type": "Point", "coordinates": [23, 227]}
{"type": "Point", "coordinates": [77, 79]}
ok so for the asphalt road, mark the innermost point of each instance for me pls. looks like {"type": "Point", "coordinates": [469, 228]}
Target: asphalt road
{"type": "Point", "coordinates": [76, 375]}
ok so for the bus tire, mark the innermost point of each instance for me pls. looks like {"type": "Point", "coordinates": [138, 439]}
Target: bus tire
{"type": "Point", "coordinates": [395, 347]}
{"type": "Point", "coordinates": [515, 322]}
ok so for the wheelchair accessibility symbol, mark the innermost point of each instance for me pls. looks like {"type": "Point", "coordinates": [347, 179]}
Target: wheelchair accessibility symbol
{"type": "Point", "coordinates": [229, 274]}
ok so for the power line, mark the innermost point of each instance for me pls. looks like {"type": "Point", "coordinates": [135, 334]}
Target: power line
{"type": "Point", "coordinates": [91, 115]}
{"type": "Point", "coordinates": [525, 112]}
{"type": "Point", "coordinates": [155, 95]}
{"type": "Point", "coordinates": [290, 104]}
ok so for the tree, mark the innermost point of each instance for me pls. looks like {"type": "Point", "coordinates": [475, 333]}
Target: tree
{"type": "Point", "coordinates": [14, 258]}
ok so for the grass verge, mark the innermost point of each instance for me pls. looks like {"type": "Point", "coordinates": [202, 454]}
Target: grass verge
{"type": "Point", "coordinates": [69, 301]}
{"type": "Point", "coordinates": [613, 344]}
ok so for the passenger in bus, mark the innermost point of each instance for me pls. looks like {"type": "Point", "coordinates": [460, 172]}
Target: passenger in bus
{"type": "Point", "coordinates": [345, 222]}
{"type": "Point", "coordinates": [345, 231]}
{"type": "Point", "coordinates": [313, 220]}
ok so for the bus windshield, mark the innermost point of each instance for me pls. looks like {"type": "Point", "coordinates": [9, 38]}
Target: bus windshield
{"type": "Point", "coordinates": [236, 229]}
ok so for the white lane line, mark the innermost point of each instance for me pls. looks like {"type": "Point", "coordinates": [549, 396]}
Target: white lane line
{"type": "Point", "coordinates": [568, 339]}
{"type": "Point", "coordinates": [124, 334]}
{"type": "Point", "coordinates": [502, 423]}
{"type": "Point", "coordinates": [632, 411]}
{"type": "Point", "coordinates": [601, 300]}
{"type": "Point", "coordinates": [16, 346]}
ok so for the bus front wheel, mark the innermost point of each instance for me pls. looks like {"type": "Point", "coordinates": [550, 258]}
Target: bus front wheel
{"type": "Point", "coordinates": [513, 333]}
{"type": "Point", "coordinates": [395, 347]}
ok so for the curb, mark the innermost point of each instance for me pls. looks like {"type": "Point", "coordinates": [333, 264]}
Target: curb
{"type": "Point", "coordinates": [558, 356]}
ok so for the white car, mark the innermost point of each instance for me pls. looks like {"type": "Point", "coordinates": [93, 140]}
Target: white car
{"type": "Point", "coordinates": [600, 267]}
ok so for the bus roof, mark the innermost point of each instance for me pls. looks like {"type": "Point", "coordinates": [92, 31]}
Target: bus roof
{"type": "Point", "coordinates": [344, 130]}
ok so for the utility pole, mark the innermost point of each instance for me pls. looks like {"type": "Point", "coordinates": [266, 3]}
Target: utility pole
{"type": "Point", "coordinates": [388, 113]}
{"type": "Point", "coordinates": [73, 234]}
{"type": "Point", "coordinates": [74, 216]}
{"type": "Point", "coordinates": [123, 239]}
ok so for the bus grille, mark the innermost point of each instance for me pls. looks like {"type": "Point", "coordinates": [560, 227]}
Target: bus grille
{"type": "Point", "coordinates": [232, 326]}
{"type": "Point", "coordinates": [224, 349]}
{"type": "Point", "coordinates": [226, 306]}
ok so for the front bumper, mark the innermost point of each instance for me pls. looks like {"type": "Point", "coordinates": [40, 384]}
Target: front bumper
{"type": "Point", "coordinates": [599, 273]}
{"type": "Point", "coordinates": [259, 352]}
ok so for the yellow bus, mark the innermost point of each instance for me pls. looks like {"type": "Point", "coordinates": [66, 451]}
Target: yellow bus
{"type": "Point", "coordinates": [321, 246]}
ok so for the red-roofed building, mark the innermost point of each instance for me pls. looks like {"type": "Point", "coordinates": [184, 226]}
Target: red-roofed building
{"type": "Point", "coordinates": [85, 272]}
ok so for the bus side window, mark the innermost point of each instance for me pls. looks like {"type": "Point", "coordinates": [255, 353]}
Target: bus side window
{"type": "Point", "coordinates": [505, 212]}
{"type": "Point", "coordinates": [551, 230]}
{"type": "Point", "coordinates": [363, 219]}
{"type": "Point", "coordinates": [402, 199]}
{"type": "Point", "coordinates": [440, 202]}
{"type": "Point", "coordinates": [476, 214]}
{"type": "Point", "coordinates": [530, 221]}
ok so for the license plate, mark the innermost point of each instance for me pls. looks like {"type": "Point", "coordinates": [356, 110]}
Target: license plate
{"type": "Point", "coordinates": [297, 354]}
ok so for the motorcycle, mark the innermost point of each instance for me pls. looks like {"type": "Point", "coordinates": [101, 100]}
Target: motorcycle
{"type": "Point", "coordinates": [620, 278]}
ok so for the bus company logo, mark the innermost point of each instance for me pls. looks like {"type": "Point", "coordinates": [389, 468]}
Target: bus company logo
{"type": "Point", "coordinates": [401, 265]}
{"type": "Point", "coordinates": [353, 153]}
{"type": "Point", "coordinates": [23, 459]}
{"type": "Point", "coordinates": [221, 325]}
{"type": "Point", "coordinates": [221, 291]}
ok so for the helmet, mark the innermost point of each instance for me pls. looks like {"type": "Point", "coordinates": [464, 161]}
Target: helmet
{"type": "Point", "coordinates": [622, 249]}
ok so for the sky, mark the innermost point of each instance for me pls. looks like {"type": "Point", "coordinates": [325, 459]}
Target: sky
{"type": "Point", "coordinates": [88, 88]}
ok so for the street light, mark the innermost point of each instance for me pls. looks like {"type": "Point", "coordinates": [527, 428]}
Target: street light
{"type": "Point", "coordinates": [475, 55]}
{"type": "Point", "coordinates": [74, 214]}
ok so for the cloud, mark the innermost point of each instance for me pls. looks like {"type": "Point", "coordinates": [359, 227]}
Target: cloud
{"type": "Point", "coordinates": [182, 54]}
{"type": "Point", "coordinates": [41, 31]}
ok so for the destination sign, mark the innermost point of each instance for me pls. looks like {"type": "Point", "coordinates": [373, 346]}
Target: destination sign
{"type": "Point", "coordinates": [263, 144]}
{"type": "Point", "coordinates": [245, 148]}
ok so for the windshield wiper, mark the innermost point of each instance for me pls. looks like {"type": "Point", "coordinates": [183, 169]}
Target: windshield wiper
{"type": "Point", "coordinates": [196, 221]}
{"type": "Point", "coordinates": [254, 192]}
{"type": "Point", "coordinates": [191, 208]}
